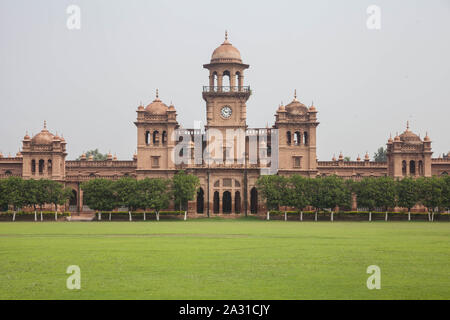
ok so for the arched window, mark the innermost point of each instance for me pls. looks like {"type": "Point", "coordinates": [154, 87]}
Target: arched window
{"type": "Point", "coordinates": [404, 167]}
{"type": "Point", "coordinates": [238, 80]}
{"type": "Point", "coordinates": [226, 79]}
{"type": "Point", "coordinates": [412, 167]}
{"type": "Point", "coordinates": [73, 198]}
{"type": "Point", "coordinates": [420, 167]}
{"type": "Point", "coordinates": [156, 137]}
{"type": "Point", "coordinates": [8, 172]}
{"type": "Point", "coordinates": [200, 201]}
{"type": "Point", "coordinates": [33, 166]}
{"type": "Point", "coordinates": [254, 200]}
{"type": "Point", "coordinates": [164, 137]}
{"type": "Point", "coordinates": [288, 138]}
{"type": "Point", "coordinates": [214, 81]}
{"type": "Point", "coordinates": [297, 138]}
{"type": "Point", "coordinates": [226, 202]}
{"type": "Point", "coordinates": [49, 166]}
{"type": "Point", "coordinates": [147, 137]}
{"type": "Point", "coordinates": [41, 166]}
{"type": "Point", "coordinates": [237, 202]}
{"type": "Point", "coordinates": [216, 200]}
{"type": "Point", "coordinates": [92, 175]}
{"type": "Point", "coordinates": [306, 141]}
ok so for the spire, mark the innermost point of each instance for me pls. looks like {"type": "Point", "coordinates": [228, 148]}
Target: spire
{"type": "Point", "coordinates": [407, 125]}
{"type": "Point", "coordinates": [226, 35]}
{"type": "Point", "coordinates": [157, 93]}
{"type": "Point", "coordinates": [295, 94]}
{"type": "Point", "coordinates": [45, 124]}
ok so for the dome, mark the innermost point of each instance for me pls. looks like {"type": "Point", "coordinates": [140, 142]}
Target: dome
{"type": "Point", "coordinates": [43, 137]}
{"type": "Point", "coordinates": [157, 107]}
{"type": "Point", "coordinates": [296, 107]}
{"type": "Point", "coordinates": [226, 53]}
{"type": "Point", "coordinates": [409, 137]}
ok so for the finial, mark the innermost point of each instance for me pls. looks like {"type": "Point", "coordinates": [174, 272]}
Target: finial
{"type": "Point", "coordinates": [295, 94]}
{"type": "Point", "coordinates": [226, 35]}
{"type": "Point", "coordinates": [407, 125]}
{"type": "Point", "coordinates": [157, 94]}
{"type": "Point", "coordinates": [45, 124]}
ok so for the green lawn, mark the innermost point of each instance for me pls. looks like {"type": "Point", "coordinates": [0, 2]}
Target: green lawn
{"type": "Point", "coordinates": [224, 259]}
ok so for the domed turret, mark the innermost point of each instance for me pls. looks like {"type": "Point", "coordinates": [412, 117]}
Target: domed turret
{"type": "Point", "coordinates": [296, 107]}
{"type": "Point", "coordinates": [410, 137]}
{"type": "Point", "coordinates": [226, 53]}
{"type": "Point", "coordinates": [157, 107]}
{"type": "Point", "coordinates": [44, 137]}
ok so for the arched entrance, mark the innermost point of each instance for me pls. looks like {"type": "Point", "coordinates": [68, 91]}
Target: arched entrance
{"type": "Point", "coordinates": [73, 201]}
{"type": "Point", "coordinates": [226, 202]}
{"type": "Point", "coordinates": [216, 206]}
{"type": "Point", "coordinates": [200, 200]}
{"type": "Point", "coordinates": [237, 202]}
{"type": "Point", "coordinates": [254, 200]}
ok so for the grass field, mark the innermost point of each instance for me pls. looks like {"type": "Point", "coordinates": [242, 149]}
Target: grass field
{"type": "Point", "coordinates": [225, 259]}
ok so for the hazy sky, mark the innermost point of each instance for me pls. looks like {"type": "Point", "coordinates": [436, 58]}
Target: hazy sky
{"type": "Point", "coordinates": [88, 83]}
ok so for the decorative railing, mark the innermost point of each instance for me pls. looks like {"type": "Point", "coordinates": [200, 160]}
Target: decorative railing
{"type": "Point", "coordinates": [104, 163]}
{"type": "Point", "coordinates": [351, 164]}
{"type": "Point", "coordinates": [226, 89]}
{"type": "Point", "coordinates": [440, 160]}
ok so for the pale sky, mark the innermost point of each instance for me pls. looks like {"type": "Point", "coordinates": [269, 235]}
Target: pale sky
{"type": "Point", "coordinates": [88, 83]}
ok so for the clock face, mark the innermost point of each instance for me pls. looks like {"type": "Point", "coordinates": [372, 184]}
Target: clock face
{"type": "Point", "coordinates": [226, 112]}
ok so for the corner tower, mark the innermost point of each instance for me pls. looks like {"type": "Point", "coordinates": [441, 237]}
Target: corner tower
{"type": "Point", "coordinates": [226, 95]}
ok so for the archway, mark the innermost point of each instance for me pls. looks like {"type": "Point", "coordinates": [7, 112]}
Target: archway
{"type": "Point", "coordinates": [73, 199]}
{"type": "Point", "coordinates": [200, 201]}
{"type": "Point", "coordinates": [226, 202]}
{"type": "Point", "coordinates": [254, 200]}
{"type": "Point", "coordinates": [216, 205]}
{"type": "Point", "coordinates": [412, 167]}
{"type": "Point", "coordinates": [237, 202]}
{"type": "Point", "coordinates": [404, 168]}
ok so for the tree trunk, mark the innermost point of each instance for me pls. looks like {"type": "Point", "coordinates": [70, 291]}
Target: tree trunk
{"type": "Point", "coordinates": [144, 215]}
{"type": "Point", "coordinates": [268, 215]}
{"type": "Point", "coordinates": [35, 215]}
{"type": "Point", "coordinates": [14, 215]}
{"type": "Point", "coordinates": [409, 215]}
{"type": "Point", "coordinates": [56, 215]}
{"type": "Point", "coordinates": [331, 216]}
{"type": "Point", "coordinates": [129, 215]}
{"type": "Point", "coordinates": [429, 219]}
{"type": "Point", "coordinates": [157, 215]}
{"type": "Point", "coordinates": [386, 217]}
{"type": "Point", "coordinates": [370, 216]}
{"type": "Point", "coordinates": [285, 216]}
{"type": "Point", "coordinates": [99, 216]}
{"type": "Point", "coordinates": [315, 216]}
{"type": "Point", "coordinates": [185, 215]}
{"type": "Point", "coordinates": [42, 218]}
{"type": "Point", "coordinates": [301, 216]}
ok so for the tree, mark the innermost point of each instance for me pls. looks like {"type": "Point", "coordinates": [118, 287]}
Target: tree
{"type": "Point", "coordinates": [367, 193]}
{"type": "Point", "coordinates": [3, 197]}
{"type": "Point", "coordinates": [407, 194]}
{"type": "Point", "coordinates": [274, 190]}
{"type": "Point", "coordinates": [57, 194]}
{"type": "Point", "coordinates": [347, 159]}
{"type": "Point", "coordinates": [15, 192]}
{"type": "Point", "coordinates": [98, 194]}
{"type": "Point", "coordinates": [386, 194]}
{"type": "Point", "coordinates": [184, 188]}
{"type": "Point", "coordinates": [446, 192]}
{"type": "Point", "coordinates": [126, 193]}
{"type": "Point", "coordinates": [380, 155]}
{"type": "Point", "coordinates": [96, 154]}
{"type": "Point", "coordinates": [154, 194]}
{"type": "Point", "coordinates": [298, 193]}
{"type": "Point", "coordinates": [430, 192]}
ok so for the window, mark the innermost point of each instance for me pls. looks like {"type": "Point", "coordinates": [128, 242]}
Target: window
{"type": "Point", "coordinates": [155, 162]}
{"type": "Point", "coordinates": [297, 162]}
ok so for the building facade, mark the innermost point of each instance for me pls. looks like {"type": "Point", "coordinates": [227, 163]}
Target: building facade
{"type": "Point", "coordinates": [226, 155]}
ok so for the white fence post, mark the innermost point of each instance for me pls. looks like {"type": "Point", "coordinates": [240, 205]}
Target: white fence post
{"type": "Point", "coordinates": [144, 215]}
{"type": "Point", "coordinates": [386, 217]}
{"type": "Point", "coordinates": [14, 216]}
{"type": "Point", "coordinates": [35, 215]}
{"type": "Point", "coordinates": [301, 216]}
{"type": "Point", "coordinates": [409, 215]}
{"type": "Point", "coordinates": [332, 216]}
{"type": "Point", "coordinates": [56, 215]}
{"type": "Point", "coordinates": [110, 216]}
{"type": "Point", "coordinates": [370, 215]}
{"type": "Point", "coordinates": [315, 216]}
{"type": "Point", "coordinates": [42, 218]}
{"type": "Point", "coordinates": [129, 215]}
{"type": "Point", "coordinates": [99, 216]}
{"type": "Point", "coordinates": [268, 215]}
{"type": "Point", "coordinates": [285, 216]}
{"type": "Point", "coordinates": [185, 215]}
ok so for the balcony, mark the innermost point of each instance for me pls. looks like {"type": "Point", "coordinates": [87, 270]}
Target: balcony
{"type": "Point", "coordinates": [239, 91]}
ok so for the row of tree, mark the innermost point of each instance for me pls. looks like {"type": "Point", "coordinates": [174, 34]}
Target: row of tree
{"type": "Point", "coordinates": [154, 194]}
{"type": "Point", "coordinates": [19, 193]}
{"type": "Point", "coordinates": [332, 191]}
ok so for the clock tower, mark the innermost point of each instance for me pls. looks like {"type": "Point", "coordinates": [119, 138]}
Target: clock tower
{"type": "Point", "coordinates": [226, 94]}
